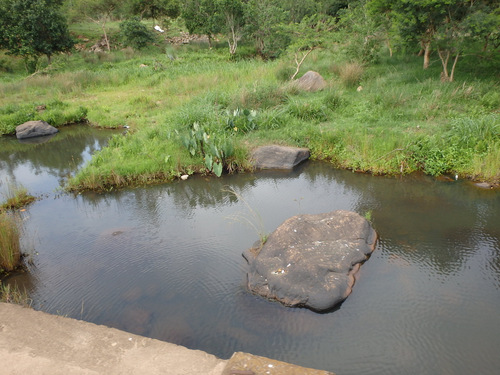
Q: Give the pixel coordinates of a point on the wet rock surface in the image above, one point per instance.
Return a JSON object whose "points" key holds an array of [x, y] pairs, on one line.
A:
{"points": [[32, 129], [278, 157], [310, 260]]}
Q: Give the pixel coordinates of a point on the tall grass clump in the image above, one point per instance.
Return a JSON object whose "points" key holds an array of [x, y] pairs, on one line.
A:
{"points": [[10, 250], [12, 294], [350, 73], [261, 96]]}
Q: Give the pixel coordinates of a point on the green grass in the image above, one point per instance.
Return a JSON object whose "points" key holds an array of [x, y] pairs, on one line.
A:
{"points": [[10, 253], [17, 197], [12, 294], [402, 120]]}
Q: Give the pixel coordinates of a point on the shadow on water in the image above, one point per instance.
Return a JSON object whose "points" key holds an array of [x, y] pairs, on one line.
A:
{"points": [[165, 262]]}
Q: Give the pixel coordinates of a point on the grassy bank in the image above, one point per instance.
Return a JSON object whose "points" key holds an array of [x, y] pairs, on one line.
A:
{"points": [[389, 117]]}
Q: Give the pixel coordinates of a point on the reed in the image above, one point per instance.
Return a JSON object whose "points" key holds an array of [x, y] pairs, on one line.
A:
{"points": [[10, 250], [13, 294]]}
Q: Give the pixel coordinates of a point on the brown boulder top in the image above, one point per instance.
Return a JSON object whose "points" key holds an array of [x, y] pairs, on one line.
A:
{"points": [[310, 260]]}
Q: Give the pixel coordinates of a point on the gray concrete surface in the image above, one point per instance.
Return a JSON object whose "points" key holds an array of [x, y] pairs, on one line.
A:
{"points": [[34, 342]]}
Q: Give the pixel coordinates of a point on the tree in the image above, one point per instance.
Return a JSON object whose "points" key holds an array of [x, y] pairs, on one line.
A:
{"points": [[447, 26], [32, 28], [201, 17], [298, 9], [210, 17], [484, 23], [308, 35], [265, 22], [99, 12], [135, 33], [233, 14], [155, 9]]}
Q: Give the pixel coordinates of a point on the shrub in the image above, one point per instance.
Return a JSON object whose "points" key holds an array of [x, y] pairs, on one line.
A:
{"points": [[284, 72], [135, 34]]}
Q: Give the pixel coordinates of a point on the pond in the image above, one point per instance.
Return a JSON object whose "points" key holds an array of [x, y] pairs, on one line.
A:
{"points": [[165, 262]]}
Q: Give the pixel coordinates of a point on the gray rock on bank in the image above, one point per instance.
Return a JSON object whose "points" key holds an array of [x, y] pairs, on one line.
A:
{"points": [[32, 129], [311, 81], [311, 260], [278, 157]]}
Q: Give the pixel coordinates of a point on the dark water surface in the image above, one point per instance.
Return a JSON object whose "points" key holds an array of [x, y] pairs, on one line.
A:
{"points": [[165, 262]]}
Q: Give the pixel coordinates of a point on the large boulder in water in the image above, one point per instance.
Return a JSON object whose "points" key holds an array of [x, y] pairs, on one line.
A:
{"points": [[278, 157], [310, 260], [32, 129]]}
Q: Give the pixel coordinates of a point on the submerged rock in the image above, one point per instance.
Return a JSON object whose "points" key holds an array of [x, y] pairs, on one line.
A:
{"points": [[310, 260], [32, 129], [278, 157]]}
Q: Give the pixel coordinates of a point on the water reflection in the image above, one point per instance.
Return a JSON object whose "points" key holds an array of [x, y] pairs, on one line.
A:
{"points": [[46, 166], [165, 261]]}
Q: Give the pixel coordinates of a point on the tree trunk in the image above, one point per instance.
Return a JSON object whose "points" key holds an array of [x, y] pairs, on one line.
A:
{"points": [[388, 42], [232, 41], [453, 67], [103, 25], [427, 54], [486, 42], [444, 56]]}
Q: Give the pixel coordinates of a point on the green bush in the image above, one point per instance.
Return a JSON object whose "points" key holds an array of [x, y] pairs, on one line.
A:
{"points": [[135, 34]]}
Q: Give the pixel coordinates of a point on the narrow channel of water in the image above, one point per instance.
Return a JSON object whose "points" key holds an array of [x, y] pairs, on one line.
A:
{"points": [[165, 262]]}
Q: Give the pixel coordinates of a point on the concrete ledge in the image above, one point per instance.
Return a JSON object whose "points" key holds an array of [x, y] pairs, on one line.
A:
{"points": [[34, 342], [249, 364]]}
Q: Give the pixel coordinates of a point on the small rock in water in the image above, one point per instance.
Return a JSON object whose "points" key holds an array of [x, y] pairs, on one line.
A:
{"points": [[184, 177]]}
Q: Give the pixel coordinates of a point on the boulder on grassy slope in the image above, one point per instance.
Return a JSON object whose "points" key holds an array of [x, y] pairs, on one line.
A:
{"points": [[311, 81]]}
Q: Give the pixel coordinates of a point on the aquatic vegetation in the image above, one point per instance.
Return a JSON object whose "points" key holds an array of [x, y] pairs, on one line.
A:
{"points": [[17, 197], [12, 294], [251, 218], [10, 249]]}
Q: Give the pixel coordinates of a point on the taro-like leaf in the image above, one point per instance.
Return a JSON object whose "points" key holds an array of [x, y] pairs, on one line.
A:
{"points": [[218, 169], [208, 161], [215, 151]]}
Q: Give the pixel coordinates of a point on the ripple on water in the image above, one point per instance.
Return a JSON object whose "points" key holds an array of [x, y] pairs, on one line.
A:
{"points": [[164, 262]]}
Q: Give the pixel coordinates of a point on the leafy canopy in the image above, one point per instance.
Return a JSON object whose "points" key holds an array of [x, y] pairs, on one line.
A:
{"points": [[32, 28]]}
